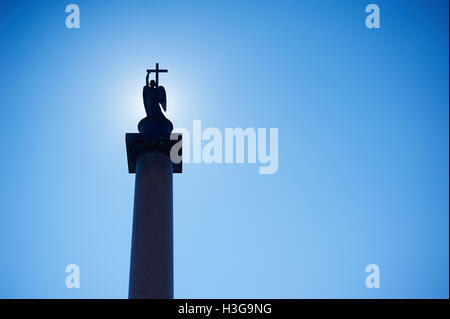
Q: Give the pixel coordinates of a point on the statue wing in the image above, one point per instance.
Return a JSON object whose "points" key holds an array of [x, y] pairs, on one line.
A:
{"points": [[162, 97]]}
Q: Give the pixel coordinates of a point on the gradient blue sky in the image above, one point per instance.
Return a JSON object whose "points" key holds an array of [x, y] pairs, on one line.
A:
{"points": [[363, 123]]}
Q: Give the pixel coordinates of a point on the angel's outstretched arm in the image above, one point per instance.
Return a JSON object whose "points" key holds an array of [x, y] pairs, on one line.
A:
{"points": [[146, 78]]}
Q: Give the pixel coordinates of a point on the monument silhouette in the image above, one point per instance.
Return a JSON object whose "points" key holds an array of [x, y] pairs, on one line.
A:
{"points": [[148, 153]]}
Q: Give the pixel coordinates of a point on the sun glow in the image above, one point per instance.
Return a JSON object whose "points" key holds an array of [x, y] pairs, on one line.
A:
{"points": [[129, 102]]}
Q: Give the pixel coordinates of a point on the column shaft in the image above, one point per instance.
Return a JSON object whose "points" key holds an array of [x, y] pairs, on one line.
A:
{"points": [[151, 268]]}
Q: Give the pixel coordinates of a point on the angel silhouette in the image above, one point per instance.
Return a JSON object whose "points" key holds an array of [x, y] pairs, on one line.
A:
{"points": [[154, 96]]}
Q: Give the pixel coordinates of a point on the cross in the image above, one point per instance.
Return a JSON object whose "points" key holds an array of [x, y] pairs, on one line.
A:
{"points": [[157, 71]]}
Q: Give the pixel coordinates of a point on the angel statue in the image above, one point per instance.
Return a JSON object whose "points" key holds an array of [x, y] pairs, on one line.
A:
{"points": [[154, 96]]}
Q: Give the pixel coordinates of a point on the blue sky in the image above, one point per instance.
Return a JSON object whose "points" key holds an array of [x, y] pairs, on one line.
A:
{"points": [[363, 126]]}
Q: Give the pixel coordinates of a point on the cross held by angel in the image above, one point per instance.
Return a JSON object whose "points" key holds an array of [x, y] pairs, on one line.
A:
{"points": [[154, 95]]}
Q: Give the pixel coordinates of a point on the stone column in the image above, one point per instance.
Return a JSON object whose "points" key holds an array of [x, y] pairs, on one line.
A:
{"points": [[151, 267]]}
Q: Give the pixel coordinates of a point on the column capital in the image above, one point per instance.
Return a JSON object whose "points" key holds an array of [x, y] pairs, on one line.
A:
{"points": [[141, 143]]}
